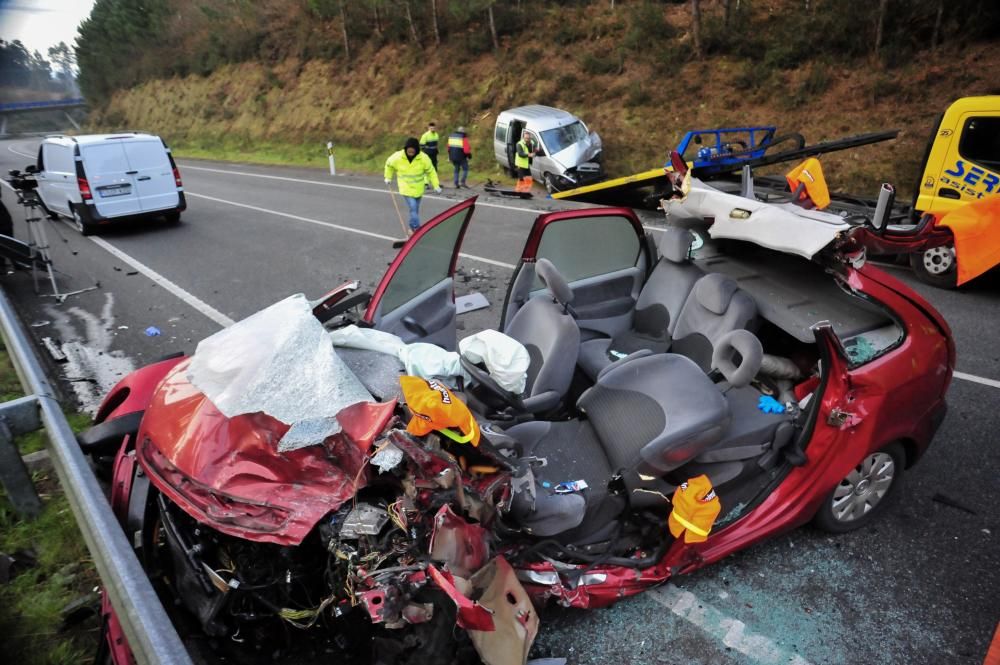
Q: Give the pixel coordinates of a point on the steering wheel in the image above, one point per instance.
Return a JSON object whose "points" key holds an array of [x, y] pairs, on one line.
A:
{"points": [[483, 378]]}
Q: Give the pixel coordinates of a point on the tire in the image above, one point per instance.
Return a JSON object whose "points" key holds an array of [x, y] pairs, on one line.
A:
{"points": [[173, 217], [84, 227], [550, 185], [937, 266], [54, 216], [861, 496]]}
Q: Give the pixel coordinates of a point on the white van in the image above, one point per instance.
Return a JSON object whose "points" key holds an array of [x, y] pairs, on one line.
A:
{"points": [[569, 154], [101, 178]]}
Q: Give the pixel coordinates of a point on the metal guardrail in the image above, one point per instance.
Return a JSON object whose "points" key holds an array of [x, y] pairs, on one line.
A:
{"points": [[51, 104], [150, 633]]}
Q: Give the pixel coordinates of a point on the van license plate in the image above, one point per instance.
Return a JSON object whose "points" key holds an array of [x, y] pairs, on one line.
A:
{"points": [[114, 190]]}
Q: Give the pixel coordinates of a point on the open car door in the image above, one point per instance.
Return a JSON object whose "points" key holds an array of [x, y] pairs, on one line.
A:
{"points": [[602, 253], [415, 298]]}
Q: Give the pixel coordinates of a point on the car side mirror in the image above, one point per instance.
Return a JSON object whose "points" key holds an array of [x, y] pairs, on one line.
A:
{"points": [[883, 209]]}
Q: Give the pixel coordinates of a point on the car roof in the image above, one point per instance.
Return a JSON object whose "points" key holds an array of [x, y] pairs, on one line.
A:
{"points": [[91, 139], [541, 117]]}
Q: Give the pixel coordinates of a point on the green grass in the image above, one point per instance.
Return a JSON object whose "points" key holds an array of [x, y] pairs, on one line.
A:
{"points": [[369, 160], [30, 604]]}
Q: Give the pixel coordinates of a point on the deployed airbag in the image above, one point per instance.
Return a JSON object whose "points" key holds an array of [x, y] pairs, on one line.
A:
{"points": [[281, 362], [505, 358]]}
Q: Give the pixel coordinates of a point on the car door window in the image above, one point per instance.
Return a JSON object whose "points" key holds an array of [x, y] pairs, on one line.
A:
{"points": [[426, 264], [980, 142], [501, 133], [588, 246]]}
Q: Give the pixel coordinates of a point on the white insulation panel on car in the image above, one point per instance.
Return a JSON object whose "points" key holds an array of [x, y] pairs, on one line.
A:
{"points": [[279, 361], [783, 227]]}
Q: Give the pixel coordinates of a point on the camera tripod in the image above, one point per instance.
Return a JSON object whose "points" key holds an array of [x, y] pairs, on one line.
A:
{"points": [[38, 244]]}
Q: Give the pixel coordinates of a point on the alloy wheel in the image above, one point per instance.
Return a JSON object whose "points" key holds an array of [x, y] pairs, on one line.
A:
{"points": [[939, 260], [864, 487]]}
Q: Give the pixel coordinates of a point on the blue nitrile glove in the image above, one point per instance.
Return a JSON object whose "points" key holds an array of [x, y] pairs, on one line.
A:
{"points": [[437, 190], [769, 405]]}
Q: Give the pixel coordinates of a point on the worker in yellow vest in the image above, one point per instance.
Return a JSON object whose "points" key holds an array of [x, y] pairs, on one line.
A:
{"points": [[429, 143], [524, 151], [412, 169]]}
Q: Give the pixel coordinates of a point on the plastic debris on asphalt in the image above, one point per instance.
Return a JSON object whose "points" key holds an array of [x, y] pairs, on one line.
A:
{"points": [[153, 331]]}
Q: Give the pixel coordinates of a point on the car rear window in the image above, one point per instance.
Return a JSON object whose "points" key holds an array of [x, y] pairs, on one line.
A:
{"points": [[144, 155], [104, 159]]}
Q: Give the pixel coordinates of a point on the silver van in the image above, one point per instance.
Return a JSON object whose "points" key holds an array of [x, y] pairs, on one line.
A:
{"points": [[569, 155]]}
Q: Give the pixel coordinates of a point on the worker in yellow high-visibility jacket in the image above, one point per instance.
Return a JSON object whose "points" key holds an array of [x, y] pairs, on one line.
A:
{"points": [[411, 168]]}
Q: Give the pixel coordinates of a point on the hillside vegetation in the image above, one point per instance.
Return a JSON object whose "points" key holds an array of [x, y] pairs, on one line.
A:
{"points": [[274, 80]]}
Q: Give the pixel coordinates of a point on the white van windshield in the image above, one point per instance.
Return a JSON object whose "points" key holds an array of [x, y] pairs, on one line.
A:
{"points": [[560, 138]]}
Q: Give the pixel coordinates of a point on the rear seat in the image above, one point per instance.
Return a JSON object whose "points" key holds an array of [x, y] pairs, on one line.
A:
{"points": [[657, 309]]}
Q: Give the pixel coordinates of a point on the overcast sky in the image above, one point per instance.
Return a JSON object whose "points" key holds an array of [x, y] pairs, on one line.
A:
{"points": [[40, 24]]}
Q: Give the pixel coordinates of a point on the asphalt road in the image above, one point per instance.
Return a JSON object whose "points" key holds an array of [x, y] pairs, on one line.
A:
{"points": [[920, 586]]}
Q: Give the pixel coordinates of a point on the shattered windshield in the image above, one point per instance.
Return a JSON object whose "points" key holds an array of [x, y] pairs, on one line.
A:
{"points": [[560, 138]]}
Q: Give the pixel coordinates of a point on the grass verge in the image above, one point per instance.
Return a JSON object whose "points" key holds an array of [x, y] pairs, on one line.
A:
{"points": [[57, 569]]}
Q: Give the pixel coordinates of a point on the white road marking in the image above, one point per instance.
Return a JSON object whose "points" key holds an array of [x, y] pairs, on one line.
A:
{"points": [[339, 227], [977, 379], [18, 152], [731, 632], [186, 296], [374, 190], [361, 188]]}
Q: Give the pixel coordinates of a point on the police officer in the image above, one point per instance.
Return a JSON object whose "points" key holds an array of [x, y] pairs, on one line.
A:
{"points": [[459, 153]]}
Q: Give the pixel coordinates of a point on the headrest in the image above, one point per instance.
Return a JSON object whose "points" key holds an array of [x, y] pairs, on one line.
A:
{"points": [[751, 353], [675, 244], [554, 282], [714, 291]]}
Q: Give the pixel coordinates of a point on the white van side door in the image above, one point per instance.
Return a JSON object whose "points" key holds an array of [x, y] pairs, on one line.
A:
{"points": [[153, 173], [57, 182], [106, 169]]}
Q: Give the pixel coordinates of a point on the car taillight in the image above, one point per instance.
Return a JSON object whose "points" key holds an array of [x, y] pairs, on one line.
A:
{"points": [[177, 178], [84, 189]]}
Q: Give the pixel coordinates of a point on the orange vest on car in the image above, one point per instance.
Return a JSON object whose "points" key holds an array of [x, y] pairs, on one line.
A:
{"points": [[810, 174], [435, 408], [695, 508]]}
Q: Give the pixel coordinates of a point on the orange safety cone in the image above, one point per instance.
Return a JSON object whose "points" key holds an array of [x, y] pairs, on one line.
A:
{"points": [[523, 185]]}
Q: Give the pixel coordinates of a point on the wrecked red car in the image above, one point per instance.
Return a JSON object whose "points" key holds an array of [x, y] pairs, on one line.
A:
{"points": [[743, 348]]}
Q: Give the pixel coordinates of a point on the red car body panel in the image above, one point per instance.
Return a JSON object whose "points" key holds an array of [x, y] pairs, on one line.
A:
{"points": [[228, 473], [133, 392]]}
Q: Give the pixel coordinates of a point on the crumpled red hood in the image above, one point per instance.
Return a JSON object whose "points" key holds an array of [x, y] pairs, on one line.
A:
{"points": [[228, 473]]}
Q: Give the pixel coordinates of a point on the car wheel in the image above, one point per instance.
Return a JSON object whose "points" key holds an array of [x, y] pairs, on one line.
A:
{"points": [[864, 492], [173, 217], [550, 185], [936, 266], [51, 215], [81, 224]]}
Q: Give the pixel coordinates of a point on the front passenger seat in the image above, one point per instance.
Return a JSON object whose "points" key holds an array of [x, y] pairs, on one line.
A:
{"points": [[547, 329]]}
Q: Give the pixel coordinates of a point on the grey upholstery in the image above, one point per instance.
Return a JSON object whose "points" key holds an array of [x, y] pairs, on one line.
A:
{"points": [[649, 415], [716, 306], [750, 432], [656, 310], [554, 282], [744, 345], [552, 340], [572, 452], [655, 413]]}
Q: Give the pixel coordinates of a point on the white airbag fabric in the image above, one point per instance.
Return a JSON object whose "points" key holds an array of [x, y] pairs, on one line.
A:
{"points": [[279, 361], [506, 359]]}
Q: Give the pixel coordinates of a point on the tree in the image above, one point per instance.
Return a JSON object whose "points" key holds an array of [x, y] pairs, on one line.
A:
{"points": [[434, 18], [883, 7]]}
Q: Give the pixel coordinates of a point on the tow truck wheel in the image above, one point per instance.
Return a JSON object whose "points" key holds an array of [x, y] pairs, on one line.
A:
{"points": [[936, 266], [864, 492]]}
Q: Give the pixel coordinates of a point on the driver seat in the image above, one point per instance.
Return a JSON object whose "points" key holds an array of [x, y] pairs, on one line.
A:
{"points": [[547, 329]]}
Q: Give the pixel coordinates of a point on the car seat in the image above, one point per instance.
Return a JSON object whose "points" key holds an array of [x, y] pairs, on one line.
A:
{"points": [[656, 310], [716, 306], [547, 329]]}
